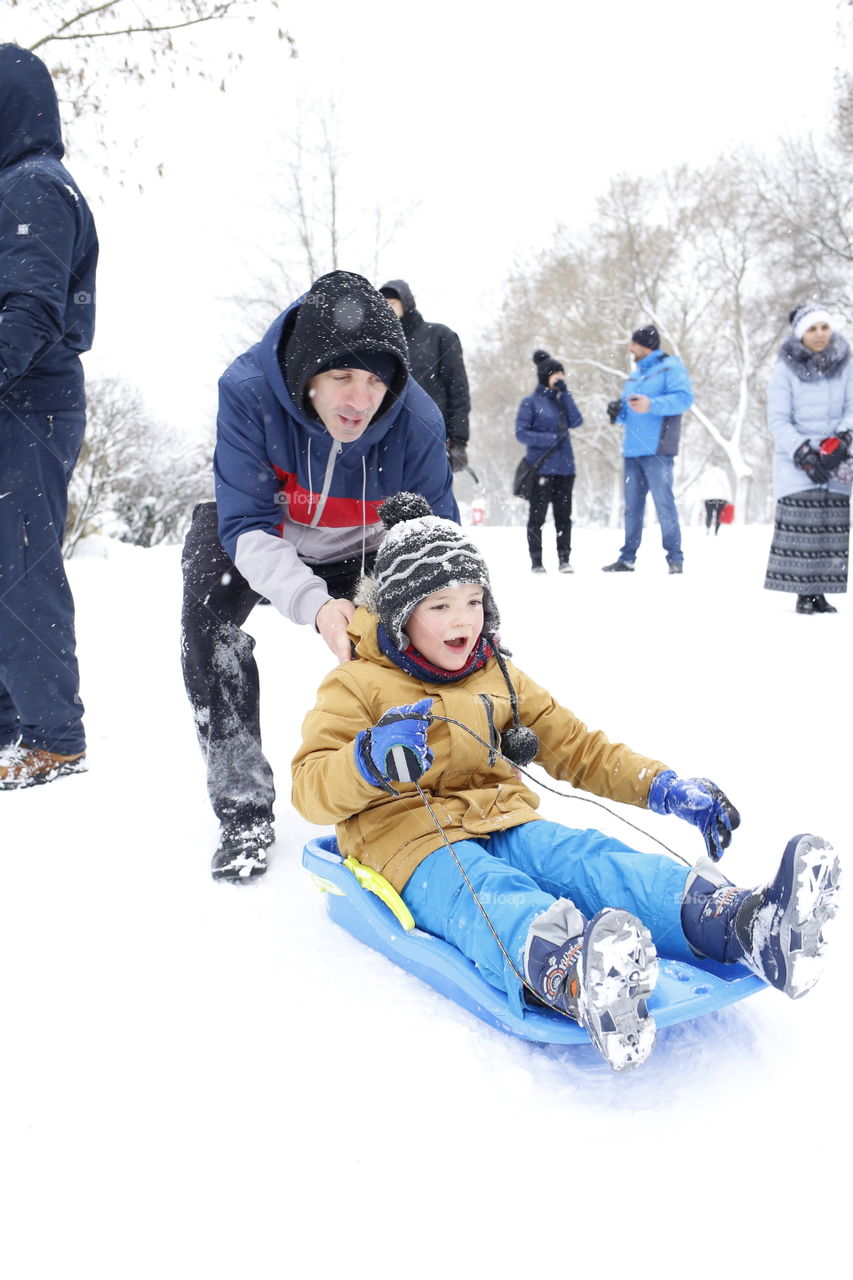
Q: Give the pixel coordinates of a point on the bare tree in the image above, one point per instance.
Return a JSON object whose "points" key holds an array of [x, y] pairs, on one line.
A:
{"points": [[134, 479], [323, 227], [143, 37]]}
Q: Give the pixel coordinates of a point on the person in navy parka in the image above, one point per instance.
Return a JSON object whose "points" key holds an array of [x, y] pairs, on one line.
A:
{"points": [[318, 423], [542, 425], [48, 256], [654, 398]]}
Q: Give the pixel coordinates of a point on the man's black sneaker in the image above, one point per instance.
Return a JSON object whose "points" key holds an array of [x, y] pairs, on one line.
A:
{"points": [[619, 566], [675, 566]]}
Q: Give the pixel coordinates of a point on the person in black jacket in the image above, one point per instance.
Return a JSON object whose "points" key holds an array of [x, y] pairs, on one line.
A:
{"points": [[48, 256], [435, 355]]}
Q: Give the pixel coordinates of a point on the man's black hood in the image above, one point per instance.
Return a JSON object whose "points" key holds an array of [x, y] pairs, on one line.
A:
{"points": [[400, 289], [29, 111], [340, 314]]}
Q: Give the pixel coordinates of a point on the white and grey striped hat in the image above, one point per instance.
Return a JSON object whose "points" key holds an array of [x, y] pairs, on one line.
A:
{"points": [[420, 554]]}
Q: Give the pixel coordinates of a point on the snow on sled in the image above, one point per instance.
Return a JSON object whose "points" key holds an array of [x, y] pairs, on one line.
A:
{"points": [[362, 901]]}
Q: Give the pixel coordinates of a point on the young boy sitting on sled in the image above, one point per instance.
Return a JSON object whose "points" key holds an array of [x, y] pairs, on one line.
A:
{"points": [[430, 701]]}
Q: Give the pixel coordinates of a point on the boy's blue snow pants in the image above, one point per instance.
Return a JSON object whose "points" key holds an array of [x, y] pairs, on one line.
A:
{"points": [[39, 698], [519, 873]]}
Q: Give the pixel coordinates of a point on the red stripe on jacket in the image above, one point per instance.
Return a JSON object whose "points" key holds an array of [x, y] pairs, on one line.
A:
{"points": [[338, 513]]}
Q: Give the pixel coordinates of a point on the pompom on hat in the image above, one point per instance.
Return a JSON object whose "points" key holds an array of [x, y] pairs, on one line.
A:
{"points": [[802, 318], [545, 365], [419, 555]]}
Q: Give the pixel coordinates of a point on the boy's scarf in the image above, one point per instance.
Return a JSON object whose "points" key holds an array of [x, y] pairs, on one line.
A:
{"points": [[415, 664]]}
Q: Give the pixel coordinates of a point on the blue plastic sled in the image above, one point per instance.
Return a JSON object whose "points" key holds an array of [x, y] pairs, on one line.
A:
{"points": [[683, 990]]}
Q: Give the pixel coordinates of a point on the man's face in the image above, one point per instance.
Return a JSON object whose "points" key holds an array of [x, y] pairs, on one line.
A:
{"points": [[345, 400], [637, 351], [446, 626], [396, 306], [817, 337]]}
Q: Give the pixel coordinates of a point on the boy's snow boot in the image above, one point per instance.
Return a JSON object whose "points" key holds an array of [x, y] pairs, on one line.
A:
{"points": [[242, 852], [602, 978], [27, 767], [537, 566], [565, 566], [775, 930]]}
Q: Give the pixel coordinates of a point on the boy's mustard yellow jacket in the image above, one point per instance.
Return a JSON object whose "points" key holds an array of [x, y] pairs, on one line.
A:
{"points": [[469, 796]]}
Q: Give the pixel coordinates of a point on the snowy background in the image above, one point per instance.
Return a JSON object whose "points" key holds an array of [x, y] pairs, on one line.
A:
{"points": [[203, 1080]]}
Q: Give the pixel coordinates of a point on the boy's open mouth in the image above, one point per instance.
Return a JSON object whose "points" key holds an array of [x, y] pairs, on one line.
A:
{"points": [[458, 643]]}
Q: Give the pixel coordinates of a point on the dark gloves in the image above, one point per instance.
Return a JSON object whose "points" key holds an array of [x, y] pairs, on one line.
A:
{"points": [[457, 453], [700, 802], [614, 408], [560, 385], [396, 747], [810, 461], [834, 450]]}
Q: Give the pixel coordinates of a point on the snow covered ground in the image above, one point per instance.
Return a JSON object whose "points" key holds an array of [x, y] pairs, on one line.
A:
{"points": [[201, 1080]]}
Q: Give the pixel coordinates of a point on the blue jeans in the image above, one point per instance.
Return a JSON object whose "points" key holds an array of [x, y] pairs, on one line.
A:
{"points": [[643, 476], [39, 684], [519, 873]]}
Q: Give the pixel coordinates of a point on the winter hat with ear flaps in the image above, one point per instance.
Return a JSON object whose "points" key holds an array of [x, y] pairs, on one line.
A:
{"points": [[419, 555]]}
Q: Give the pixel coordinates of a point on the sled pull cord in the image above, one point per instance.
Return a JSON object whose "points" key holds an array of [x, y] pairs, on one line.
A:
{"points": [[537, 782], [473, 892]]}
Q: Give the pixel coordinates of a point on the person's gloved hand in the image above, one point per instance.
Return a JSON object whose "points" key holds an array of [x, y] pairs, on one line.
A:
{"points": [[560, 384], [834, 450], [614, 408], [396, 747], [700, 802], [810, 461], [457, 453]]}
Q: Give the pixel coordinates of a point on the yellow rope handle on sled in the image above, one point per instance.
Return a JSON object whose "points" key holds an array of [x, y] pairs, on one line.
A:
{"points": [[375, 882]]}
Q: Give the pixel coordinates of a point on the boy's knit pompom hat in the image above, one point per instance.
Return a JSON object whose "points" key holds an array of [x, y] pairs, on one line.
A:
{"points": [[420, 554]]}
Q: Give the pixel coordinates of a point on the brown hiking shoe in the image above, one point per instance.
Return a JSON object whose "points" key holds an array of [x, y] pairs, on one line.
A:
{"points": [[27, 767]]}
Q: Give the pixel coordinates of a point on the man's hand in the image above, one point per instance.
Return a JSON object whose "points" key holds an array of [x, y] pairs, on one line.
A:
{"points": [[640, 404], [332, 621]]}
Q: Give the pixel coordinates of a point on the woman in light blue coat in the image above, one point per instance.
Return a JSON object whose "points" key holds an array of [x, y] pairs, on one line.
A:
{"points": [[810, 415]]}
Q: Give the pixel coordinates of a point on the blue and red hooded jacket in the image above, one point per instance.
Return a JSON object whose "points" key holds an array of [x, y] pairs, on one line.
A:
{"points": [[288, 495]]}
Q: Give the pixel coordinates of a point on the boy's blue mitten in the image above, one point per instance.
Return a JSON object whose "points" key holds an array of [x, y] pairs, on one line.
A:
{"points": [[396, 747], [699, 801]]}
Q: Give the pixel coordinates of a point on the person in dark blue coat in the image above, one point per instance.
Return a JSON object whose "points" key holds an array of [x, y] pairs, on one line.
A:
{"points": [[542, 424], [48, 257], [318, 424]]}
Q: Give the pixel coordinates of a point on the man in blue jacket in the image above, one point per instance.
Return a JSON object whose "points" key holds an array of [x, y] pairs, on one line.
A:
{"points": [[318, 423], [655, 396], [48, 256]]}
